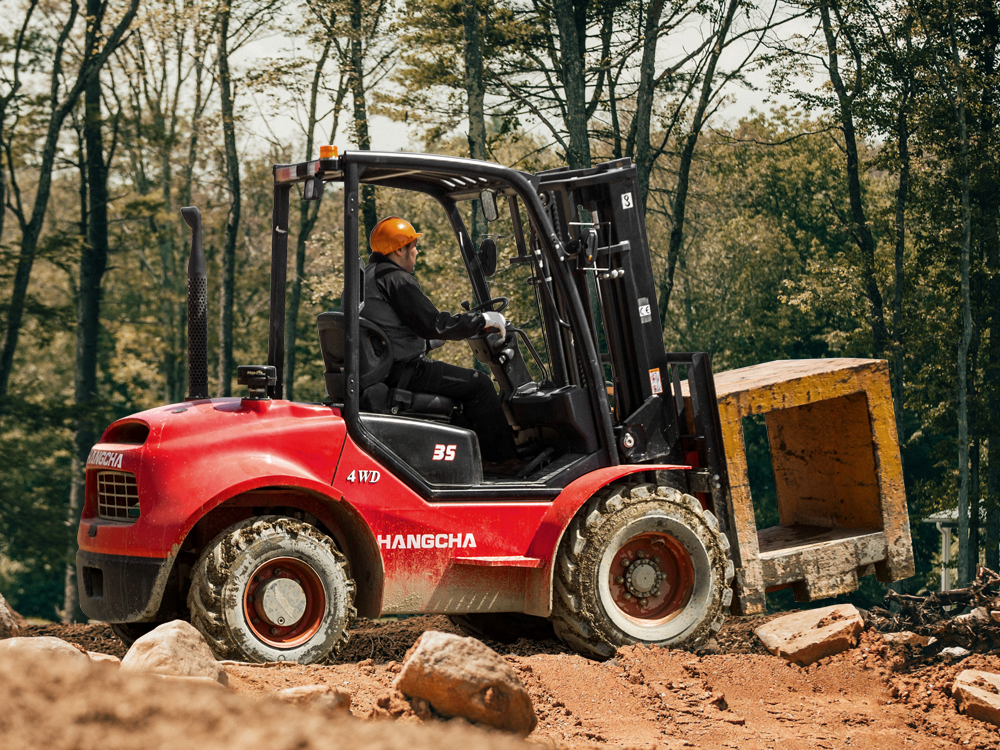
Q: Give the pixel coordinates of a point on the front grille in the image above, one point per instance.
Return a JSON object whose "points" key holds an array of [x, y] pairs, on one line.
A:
{"points": [[117, 496]]}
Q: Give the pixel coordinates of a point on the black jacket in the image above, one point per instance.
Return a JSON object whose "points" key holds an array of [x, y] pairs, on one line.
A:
{"points": [[395, 302]]}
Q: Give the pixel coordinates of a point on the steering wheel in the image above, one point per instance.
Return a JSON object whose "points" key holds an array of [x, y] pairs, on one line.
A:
{"points": [[488, 304]]}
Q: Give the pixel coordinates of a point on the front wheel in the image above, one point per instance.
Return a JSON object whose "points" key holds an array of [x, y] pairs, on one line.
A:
{"points": [[641, 564], [272, 589]]}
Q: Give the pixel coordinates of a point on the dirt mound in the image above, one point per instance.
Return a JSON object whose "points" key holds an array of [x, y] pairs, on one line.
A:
{"points": [[64, 706], [742, 698]]}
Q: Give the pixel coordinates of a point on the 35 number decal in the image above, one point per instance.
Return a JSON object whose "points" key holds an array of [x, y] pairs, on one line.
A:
{"points": [[444, 452]]}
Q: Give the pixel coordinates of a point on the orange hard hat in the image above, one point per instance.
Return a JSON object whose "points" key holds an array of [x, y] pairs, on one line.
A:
{"points": [[392, 233]]}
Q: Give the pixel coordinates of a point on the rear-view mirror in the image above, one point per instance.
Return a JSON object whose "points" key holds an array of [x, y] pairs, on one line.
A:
{"points": [[488, 203]]}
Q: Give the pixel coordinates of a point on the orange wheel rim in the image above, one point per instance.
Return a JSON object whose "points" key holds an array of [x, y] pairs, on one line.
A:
{"points": [[292, 575], [651, 578]]}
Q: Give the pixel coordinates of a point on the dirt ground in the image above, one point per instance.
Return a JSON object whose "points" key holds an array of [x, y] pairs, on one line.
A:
{"points": [[738, 697]]}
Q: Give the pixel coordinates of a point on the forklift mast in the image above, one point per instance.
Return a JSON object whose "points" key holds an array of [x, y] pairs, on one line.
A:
{"points": [[665, 406]]}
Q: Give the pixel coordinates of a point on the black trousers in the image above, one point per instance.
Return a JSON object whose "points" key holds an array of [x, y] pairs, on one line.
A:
{"points": [[481, 408]]}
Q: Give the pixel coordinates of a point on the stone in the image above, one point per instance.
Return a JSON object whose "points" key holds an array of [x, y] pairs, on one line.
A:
{"points": [[317, 696], [43, 645], [10, 621], [978, 695], [464, 677], [908, 638], [954, 653], [805, 637], [104, 658], [174, 649], [995, 615]]}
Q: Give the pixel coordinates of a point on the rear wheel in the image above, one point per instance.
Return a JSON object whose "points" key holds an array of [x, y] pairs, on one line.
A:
{"points": [[641, 564], [272, 589]]}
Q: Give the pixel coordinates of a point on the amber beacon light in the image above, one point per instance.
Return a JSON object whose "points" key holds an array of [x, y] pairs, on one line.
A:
{"points": [[327, 152]]}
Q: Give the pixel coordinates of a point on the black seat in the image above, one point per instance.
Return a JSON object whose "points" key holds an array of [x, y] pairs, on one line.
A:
{"points": [[375, 362]]}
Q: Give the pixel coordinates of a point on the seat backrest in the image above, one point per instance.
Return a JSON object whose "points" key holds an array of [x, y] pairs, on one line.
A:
{"points": [[375, 348]]}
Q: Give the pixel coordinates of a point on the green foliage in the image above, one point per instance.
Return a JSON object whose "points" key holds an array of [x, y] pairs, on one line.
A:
{"points": [[34, 533], [768, 274]]}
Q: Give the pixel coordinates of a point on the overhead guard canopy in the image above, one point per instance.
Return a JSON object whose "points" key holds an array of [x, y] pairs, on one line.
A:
{"points": [[458, 179]]}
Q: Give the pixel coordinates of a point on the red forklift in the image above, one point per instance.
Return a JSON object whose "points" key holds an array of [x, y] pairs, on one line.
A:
{"points": [[272, 524]]}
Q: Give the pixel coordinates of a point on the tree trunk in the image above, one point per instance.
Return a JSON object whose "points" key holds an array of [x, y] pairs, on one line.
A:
{"points": [[687, 157], [233, 223], [974, 439], [77, 474], [93, 264], [987, 201], [992, 381], [572, 50], [859, 221], [369, 213], [645, 96], [902, 194], [966, 564], [475, 91], [475, 94]]}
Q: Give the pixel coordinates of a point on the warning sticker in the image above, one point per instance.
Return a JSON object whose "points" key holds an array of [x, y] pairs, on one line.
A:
{"points": [[655, 382]]}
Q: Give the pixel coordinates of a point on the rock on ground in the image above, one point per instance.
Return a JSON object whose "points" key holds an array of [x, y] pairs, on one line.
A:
{"points": [[908, 638], [107, 658], [317, 696], [805, 637], [174, 649], [978, 695], [44, 646], [954, 653], [10, 625], [464, 677]]}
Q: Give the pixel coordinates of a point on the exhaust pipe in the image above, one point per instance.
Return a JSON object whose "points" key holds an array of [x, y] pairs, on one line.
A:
{"points": [[197, 299]]}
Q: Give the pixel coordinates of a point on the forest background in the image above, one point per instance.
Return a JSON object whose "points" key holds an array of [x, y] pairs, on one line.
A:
{"points": [[859, 218]]}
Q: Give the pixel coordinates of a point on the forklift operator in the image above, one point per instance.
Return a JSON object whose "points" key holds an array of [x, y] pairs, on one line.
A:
{"points": [[395, 302]]}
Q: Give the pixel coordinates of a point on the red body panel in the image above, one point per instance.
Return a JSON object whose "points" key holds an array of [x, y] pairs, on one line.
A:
{"points": [[200, 454], [438, 556]]}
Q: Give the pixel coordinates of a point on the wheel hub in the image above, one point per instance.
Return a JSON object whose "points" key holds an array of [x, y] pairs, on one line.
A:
{"points": [[642, 578], [281, 601], [284, 602], [651, 577]]}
